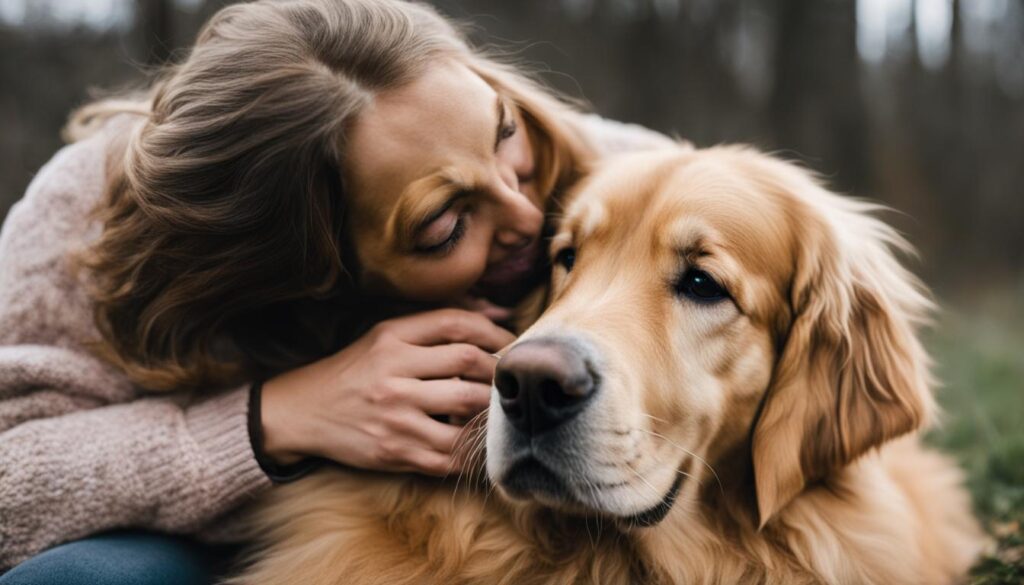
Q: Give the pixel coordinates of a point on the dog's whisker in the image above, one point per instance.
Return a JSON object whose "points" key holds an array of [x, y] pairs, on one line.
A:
{"points": [[681, 497], [647, 483], [627, 431], [475, 451], [469, 448], [690, 453], [654, 418], [586, 520]]}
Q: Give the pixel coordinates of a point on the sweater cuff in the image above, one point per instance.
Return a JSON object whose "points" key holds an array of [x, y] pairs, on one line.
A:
{"points": [[219, 426]]}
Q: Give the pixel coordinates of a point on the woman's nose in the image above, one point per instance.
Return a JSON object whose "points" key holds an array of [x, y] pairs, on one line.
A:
{"points": [[519, 220]]}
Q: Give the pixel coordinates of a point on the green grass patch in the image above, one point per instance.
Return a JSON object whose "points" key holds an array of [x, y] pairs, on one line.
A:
{"points": [[979, 355]]}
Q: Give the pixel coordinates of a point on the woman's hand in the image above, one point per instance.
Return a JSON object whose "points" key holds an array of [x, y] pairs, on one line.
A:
{"points": [[495, 313], [369, 405]]}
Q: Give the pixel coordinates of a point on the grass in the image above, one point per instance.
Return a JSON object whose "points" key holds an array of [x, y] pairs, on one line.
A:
{"points": [[979, 352]]}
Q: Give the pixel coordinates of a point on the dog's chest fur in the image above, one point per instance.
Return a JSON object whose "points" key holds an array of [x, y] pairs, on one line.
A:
{"points": [[354, 528]]}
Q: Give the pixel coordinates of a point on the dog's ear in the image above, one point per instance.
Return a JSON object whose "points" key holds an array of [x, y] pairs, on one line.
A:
{"points": [[851, 374]]}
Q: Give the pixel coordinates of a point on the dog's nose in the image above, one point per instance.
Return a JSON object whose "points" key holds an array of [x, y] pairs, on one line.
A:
{"points": [[542, 384]]}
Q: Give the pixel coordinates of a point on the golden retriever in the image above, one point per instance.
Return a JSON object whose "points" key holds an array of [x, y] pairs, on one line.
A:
{"points": [[726, 387]]}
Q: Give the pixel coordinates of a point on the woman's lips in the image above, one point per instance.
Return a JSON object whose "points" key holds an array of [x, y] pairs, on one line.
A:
{"points": [[513, 269]]}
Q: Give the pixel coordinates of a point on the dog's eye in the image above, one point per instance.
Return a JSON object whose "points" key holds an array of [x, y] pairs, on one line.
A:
{"points": [[699, 286], [566, 258]]}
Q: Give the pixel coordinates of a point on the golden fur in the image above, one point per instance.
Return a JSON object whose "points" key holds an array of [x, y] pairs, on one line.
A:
{"points": [[790, 410]]}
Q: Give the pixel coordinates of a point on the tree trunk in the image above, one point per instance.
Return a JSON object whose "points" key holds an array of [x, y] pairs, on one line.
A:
{"points": [[155, 24]]}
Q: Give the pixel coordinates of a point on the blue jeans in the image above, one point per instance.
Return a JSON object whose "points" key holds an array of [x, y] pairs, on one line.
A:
{"points": [[123, 558]]}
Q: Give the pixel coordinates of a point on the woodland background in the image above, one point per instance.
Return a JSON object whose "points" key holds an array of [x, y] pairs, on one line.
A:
{"points": [[916, 103]]}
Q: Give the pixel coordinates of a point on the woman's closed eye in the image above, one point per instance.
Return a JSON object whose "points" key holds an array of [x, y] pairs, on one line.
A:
{"points": [[507, 127], [507, 131], [442, 234]]}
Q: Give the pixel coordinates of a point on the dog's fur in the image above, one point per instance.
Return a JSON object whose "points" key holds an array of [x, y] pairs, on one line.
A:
{"points": [[789, 411]]}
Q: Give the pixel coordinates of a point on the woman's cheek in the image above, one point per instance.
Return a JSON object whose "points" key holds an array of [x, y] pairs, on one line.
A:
{"points": [[447, 278], [521, 156]]}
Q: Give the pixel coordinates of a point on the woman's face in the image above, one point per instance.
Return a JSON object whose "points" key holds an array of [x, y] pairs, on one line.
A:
{"points": [[440, 180]]}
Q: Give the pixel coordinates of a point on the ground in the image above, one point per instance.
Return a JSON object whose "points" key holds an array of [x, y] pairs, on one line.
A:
{"points": [[978, 348]]}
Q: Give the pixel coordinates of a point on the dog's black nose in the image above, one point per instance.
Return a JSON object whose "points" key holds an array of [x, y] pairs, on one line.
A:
{"points": [[543, 383]]}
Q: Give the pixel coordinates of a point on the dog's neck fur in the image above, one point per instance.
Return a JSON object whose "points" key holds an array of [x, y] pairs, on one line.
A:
{"points": [[862, 520]]}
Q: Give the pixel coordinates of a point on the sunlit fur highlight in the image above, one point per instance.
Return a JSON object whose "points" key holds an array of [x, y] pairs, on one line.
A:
{"points": [[816, 476]]}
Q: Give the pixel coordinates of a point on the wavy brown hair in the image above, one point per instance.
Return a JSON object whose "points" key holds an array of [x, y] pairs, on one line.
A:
{"points": [[223, 254]]}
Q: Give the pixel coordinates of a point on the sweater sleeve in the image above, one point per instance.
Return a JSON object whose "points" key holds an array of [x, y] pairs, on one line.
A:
{"points": [[147, 463], [609, 137], [81, 449]]}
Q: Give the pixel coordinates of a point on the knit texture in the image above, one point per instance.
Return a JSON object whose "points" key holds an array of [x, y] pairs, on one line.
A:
{"points": [[83, 450]]}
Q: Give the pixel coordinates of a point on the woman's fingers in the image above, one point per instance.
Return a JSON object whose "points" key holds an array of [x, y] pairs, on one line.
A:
{"points": [[430, 462], [433, 434], [495, 313], [447, 326], [452, 397], [455, 360], [422, 445]]}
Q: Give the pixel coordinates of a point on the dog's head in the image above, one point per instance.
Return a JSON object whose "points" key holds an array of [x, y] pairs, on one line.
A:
{"points": [[707, 303]]}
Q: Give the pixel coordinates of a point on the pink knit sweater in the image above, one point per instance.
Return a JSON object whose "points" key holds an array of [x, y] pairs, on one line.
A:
{"points": [[82, 450]]}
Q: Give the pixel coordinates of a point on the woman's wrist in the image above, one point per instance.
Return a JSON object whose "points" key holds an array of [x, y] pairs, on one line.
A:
{"points": [[280, 439], [275, 439], [279, 459]]}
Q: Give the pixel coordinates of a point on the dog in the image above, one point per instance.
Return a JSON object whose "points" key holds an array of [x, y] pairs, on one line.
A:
{"points": [[726, 386]]}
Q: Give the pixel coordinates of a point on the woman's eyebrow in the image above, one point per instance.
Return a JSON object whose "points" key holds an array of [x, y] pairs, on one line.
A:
{"points": [[424, 201], [425, 205], [500, 103], [437, 212]]}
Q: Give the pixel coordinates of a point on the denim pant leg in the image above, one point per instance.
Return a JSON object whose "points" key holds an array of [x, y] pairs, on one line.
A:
{"points": [[120, 558]]}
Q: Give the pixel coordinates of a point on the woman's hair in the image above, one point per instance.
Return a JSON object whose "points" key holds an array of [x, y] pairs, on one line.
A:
{"points": [[224, 254]]}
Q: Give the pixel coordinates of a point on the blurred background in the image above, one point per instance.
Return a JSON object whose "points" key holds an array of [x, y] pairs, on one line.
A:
{"points": [[915, 103]]}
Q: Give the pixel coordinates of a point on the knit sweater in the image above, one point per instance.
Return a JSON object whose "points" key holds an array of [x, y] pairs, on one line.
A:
{"points": [[82, 449]]}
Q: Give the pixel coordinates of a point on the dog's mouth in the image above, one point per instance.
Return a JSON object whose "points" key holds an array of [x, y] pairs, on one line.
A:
{"points": [[657, 513], [530, 479]]}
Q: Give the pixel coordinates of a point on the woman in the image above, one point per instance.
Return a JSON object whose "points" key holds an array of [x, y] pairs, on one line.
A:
{"points": [[313, 170]]}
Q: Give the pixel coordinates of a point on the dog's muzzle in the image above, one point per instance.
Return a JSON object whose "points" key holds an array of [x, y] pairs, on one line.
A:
{"points": [[549, 442], [545, 386]]}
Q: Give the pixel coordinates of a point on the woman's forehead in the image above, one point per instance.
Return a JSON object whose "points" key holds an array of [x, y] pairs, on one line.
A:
{"points": [[446, 118]]}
